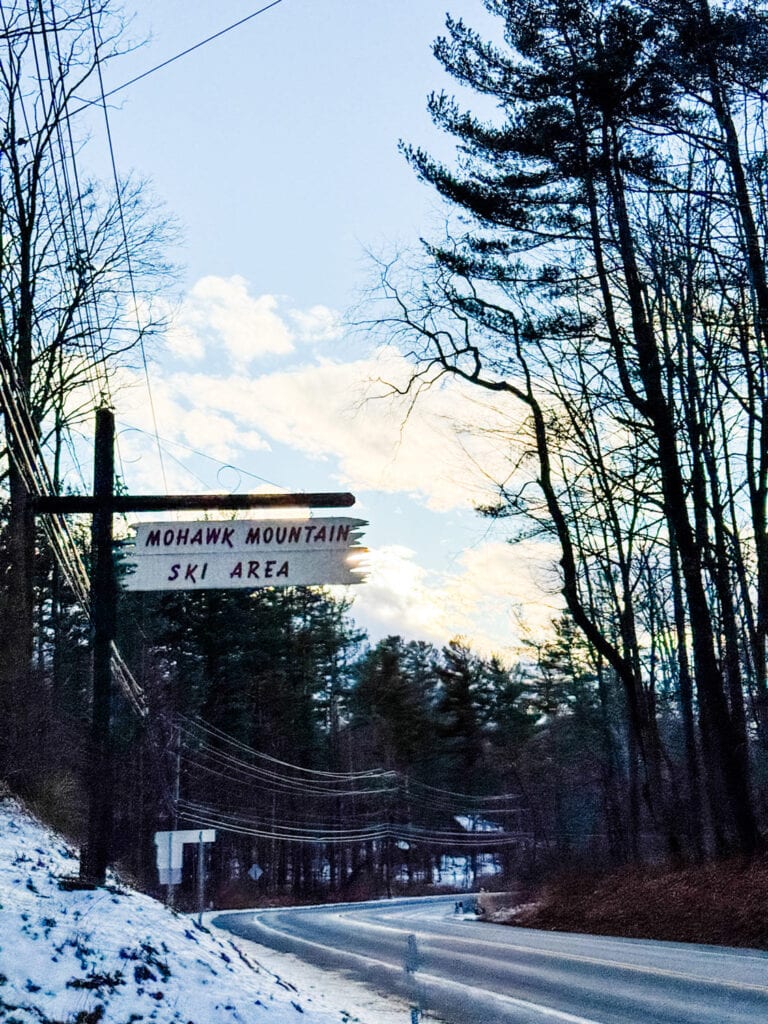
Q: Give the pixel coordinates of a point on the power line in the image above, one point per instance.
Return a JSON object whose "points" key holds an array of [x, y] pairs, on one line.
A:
{"points": [[192, 724], [211, 817], [27, 450], [66, 157], [31, 464], [324, 781], [127, 248], [371, 805], [178, 56], [204, 455]]}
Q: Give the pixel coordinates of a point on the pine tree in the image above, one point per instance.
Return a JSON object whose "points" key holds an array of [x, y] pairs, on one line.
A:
{"points": [[578, 280], [392, 701], [463, 709]]}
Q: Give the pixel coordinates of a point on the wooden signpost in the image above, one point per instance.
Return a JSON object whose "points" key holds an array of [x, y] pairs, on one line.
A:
{"points": [[268, 572]]}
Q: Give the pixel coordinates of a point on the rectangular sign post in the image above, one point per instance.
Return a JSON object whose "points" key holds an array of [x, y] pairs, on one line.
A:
{"points": [[170, 859], [101, 506]]}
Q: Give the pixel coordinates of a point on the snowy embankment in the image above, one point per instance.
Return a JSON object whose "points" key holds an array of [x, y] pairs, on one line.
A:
{"points": [[114, 955]]}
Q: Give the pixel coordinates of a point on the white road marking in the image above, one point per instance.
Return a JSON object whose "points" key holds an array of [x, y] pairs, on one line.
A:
{"points": [[662, 972], [521, 1004]]}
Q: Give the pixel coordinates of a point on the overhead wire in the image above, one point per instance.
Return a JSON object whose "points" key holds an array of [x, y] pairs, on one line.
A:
{"points": [[101, 100], [178, 56], [75, 209], [31, 464], [235, 772], [128, 259], [431, 796], [90, 328], [192, 724], [205, 455], [26, 448], [76, 574], [217, 763], [379, 805], [26, 438], [91, 331], [55, 526], [201, 817], [289, 825], [211, 817]]}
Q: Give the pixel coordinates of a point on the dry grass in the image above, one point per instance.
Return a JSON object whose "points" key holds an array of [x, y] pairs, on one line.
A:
{"points": [[722, 904]]}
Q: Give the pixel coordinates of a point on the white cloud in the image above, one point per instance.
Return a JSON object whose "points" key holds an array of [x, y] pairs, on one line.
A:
{"points": [[184, 428], [447, 450], [317, 324], [183, 341], [220, 317], [498, 595], [381, 442], [218, 435]]}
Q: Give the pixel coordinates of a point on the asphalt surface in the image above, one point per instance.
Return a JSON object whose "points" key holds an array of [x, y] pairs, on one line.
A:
{"points": [[469, 972]]}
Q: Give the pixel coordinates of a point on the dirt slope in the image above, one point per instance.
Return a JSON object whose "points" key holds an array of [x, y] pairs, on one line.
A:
{"points": [[723, 904]]}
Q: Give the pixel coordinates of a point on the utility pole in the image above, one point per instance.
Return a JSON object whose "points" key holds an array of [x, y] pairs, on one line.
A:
{"points": [[102, 506], [93, 863]]}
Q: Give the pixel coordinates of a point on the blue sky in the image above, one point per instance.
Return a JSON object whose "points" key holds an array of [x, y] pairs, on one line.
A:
{"points": [[275, 147]]}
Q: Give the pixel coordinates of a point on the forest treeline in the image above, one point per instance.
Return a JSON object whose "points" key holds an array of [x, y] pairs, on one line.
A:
{"points": [[335, 764]]}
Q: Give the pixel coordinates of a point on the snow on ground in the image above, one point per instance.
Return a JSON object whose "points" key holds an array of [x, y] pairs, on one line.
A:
{"points": [[116, 956], [328, 989]]}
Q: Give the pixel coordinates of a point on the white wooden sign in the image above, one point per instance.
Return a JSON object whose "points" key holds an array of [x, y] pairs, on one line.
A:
{"points": [[170, 851], [246, 554]]}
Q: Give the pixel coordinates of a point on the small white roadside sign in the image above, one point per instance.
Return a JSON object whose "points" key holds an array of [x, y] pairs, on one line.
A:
{"points": [[170, 851]]}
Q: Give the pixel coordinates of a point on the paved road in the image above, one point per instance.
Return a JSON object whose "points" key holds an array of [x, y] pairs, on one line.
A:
{"points": [[469, 972]]}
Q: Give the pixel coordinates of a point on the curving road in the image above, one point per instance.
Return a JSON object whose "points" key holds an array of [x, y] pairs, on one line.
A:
{"points": [[468, 972]]}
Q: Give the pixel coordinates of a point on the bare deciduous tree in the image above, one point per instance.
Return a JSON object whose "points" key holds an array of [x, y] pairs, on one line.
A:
{"points": [[76, 261]]}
